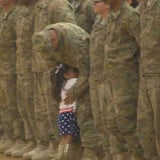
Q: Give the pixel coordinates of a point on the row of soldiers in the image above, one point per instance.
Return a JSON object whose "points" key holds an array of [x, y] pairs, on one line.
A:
{"points": [[123, 116]]}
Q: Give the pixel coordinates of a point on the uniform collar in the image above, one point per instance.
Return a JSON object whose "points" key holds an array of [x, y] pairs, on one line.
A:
{"points": [[77, 4], [150, 4], [115, 15], [6, 14]]}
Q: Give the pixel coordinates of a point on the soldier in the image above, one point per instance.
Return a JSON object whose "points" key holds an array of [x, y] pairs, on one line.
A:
{"points": [[121, 73], [149, 105], [11, 121], [85, 16], [42, 13], [68, 44], [24, 31], [97, 42]]}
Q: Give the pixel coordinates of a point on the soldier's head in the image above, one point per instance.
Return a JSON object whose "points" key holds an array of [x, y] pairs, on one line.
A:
{"points": [[54, 38], [5, 3], [100, 6]]}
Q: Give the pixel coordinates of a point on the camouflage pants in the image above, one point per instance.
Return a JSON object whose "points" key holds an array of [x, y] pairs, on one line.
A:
{"points": [[149, 116], [89, 137], [11, 120], [46, 109], [25, 103], [121, 96], [99, 111]]}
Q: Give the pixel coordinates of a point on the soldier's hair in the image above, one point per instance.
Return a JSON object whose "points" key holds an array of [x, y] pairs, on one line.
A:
{"points": [[134, 3]]}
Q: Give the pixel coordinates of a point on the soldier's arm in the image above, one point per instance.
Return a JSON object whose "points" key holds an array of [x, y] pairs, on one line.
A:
{"points": [[133, 26], [82, 60], [90, 13], [61, 11]]}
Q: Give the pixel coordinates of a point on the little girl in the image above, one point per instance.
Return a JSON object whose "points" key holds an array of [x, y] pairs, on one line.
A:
{"points": [[67, 123]]}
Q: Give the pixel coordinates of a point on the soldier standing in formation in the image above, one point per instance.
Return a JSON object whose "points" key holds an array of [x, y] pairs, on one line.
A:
{"points": [[11, 120], [96, 82], [85, 16], [121, 78], [149, 91]]}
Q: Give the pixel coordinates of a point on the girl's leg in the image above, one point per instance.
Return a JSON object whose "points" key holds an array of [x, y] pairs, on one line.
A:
{"points": [[68, 138], [62, 141]]}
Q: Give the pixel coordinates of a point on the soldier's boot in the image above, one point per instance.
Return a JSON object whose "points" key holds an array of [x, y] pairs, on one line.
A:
{"points": [[89, 154], [47, 154], [156, 158], [2, 140], [137, 158], [37, 150], [107, 156], [76, 151], [9, 151], [7, 144], [100, 153], [18, 152], [123, 156], [59, 154]]}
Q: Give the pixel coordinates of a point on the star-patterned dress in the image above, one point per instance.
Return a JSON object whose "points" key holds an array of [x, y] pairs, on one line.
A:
{"points": [[67, 122]]}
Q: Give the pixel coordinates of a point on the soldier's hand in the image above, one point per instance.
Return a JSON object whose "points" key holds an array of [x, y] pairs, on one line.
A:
{"points": [[69, 99]]}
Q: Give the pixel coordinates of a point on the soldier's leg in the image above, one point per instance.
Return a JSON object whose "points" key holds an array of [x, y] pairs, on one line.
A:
{"points": [[148, 117], [13, 118], [153, 85], [99, 113], [125, 104], [42, 123], [26, 110], [7, 127], [89, 137], [117, 143], [51, 116]]}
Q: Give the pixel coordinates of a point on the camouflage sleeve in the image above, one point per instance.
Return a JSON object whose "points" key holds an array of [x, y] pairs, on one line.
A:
{"points": [[61, 11], [90, 12], [82, 63], [134, 26]]}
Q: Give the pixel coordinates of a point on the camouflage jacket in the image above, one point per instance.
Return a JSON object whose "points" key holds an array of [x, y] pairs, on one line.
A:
{"points": [[24, 31], [49, 12], [84, 14], [97, 42], [73, 50], [123, 29], [8, 40], [150, 37]]}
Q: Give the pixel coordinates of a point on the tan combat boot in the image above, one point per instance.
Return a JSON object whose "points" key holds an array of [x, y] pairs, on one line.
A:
{"points": [[137, 158], [60, 153], [107, 156], [18, 152], [89, 154], [123, 156]]}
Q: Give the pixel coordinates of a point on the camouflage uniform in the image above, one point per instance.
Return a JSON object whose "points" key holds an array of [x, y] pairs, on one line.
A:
{"points": [[12, 123], [73, 48], [84, 14], [148, 108], [24, 31], [97, 42], [46, 12], [121, 77]]}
